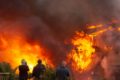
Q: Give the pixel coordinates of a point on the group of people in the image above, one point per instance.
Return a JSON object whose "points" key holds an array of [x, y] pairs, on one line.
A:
{"points": [[62, 73]]}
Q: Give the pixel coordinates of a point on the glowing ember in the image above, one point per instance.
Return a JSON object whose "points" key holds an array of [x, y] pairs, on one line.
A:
{"points": [[14, 48], [99, 32], [81, 54], [95, 26], [118, 29], [102, 28]]}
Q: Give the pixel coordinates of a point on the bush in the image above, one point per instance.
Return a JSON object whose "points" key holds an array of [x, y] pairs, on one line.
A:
{"points": [[6, 68], [49, 74]]}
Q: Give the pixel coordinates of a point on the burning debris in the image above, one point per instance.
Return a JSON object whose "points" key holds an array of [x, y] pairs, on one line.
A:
{"points": [[82, 52], [82, 58], [46, 25]]}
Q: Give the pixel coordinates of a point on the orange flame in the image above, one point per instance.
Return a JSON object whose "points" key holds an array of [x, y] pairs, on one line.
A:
{"points": [[14, 48], [81, 54], [95, 26], [118, 29]]}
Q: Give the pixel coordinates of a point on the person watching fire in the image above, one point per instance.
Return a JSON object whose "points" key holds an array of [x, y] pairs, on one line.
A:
{"points": [[38, 71], [23, 70], [62, 73]]}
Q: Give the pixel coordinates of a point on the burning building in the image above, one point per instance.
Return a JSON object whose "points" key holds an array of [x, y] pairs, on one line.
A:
{"points": [[82, 32]]}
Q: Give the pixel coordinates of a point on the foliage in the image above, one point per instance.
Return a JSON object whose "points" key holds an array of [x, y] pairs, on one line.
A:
{"points": [[49, 74], [6, 68]]}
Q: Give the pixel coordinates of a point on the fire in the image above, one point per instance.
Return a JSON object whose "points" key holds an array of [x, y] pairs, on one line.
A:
{"points": [[15, 48], [118, 29], [95, 26], [102, 28], [81, 54], [99, 32]]}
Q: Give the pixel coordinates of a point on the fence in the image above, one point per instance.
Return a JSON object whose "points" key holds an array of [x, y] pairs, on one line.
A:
{"points": [[4, 76]]}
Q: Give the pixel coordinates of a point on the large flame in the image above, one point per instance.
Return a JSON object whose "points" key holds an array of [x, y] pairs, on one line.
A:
{"points": [[81, 54], [15, 48]]}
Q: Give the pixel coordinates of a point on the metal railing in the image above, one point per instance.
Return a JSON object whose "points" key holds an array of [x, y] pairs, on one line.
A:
{"points": [[4, 76]]}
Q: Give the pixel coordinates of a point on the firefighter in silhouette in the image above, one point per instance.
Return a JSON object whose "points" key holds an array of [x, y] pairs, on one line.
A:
{"points": [[38, 71], [23, 70], [62, 73]]}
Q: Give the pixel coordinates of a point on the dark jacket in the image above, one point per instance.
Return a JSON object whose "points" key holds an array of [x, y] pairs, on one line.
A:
{"points": [[23, 72], [62, 73], [38, 71]]}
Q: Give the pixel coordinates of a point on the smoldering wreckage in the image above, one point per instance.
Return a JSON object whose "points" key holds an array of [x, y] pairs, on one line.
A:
{"points": [[86, 34]]}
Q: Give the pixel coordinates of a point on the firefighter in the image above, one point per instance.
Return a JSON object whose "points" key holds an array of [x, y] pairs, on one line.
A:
{"points": [[62, 73], [23, 70], [38, 71]]}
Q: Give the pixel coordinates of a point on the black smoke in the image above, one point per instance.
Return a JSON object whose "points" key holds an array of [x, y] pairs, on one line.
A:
{"points": [[51, 22]]}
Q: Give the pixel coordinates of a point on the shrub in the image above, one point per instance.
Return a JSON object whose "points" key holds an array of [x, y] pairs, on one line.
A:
{"points": [[6, 68]]}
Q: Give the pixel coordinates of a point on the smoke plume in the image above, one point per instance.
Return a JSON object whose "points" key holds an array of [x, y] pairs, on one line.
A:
{"points": [[52, 22]]}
